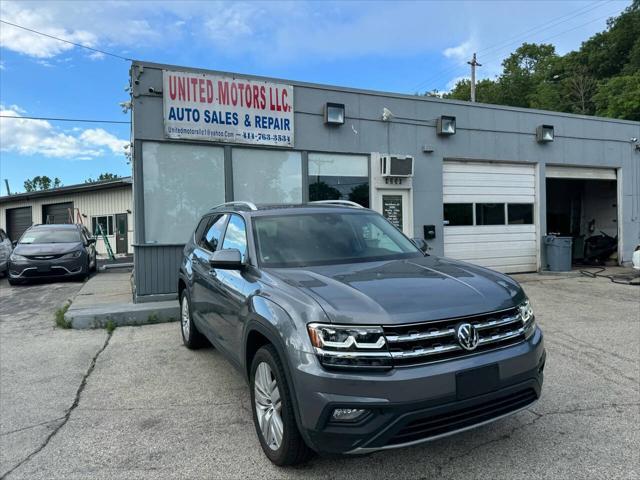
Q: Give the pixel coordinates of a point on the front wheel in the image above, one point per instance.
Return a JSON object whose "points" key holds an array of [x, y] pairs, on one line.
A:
{"points": [[273, 411]]}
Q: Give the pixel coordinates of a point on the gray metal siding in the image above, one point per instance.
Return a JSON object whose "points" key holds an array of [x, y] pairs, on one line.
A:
{"points": [[156, 269], [484, 133]]}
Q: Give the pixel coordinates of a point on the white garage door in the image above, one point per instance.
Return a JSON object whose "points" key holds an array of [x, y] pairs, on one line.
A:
{"points": [[489, 212]]}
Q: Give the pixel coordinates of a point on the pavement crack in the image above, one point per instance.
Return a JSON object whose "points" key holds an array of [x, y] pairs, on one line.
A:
{"points": [[30, 426], [68, 412]]}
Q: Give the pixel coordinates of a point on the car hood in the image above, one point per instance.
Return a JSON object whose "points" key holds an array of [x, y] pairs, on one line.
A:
{"points": [[403, 291], [46, 248]]}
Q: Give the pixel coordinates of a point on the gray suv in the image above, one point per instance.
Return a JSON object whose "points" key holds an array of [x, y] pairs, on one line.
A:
{"points": [[352, 338]]}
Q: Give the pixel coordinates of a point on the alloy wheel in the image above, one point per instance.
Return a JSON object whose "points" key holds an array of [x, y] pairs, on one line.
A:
{"points": [[268, 406], [185, 318]]}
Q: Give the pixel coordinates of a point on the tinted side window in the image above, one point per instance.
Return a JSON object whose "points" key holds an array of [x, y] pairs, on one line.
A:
{"points": [[236, 235], [204, 222], [213, 233]]}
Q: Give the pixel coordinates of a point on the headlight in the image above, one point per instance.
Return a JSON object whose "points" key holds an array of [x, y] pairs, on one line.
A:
{"points": [[75, 254], [350, 346], [17, 258], [528, 318]]}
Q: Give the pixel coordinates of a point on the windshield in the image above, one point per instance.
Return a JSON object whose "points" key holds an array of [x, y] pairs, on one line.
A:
{"points": [[50, 235], [328, 238]]}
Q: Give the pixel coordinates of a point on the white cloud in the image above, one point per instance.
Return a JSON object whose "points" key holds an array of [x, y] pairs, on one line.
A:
{"points": [[102, 138], [39, 137], [460, 52], [38, 46]]}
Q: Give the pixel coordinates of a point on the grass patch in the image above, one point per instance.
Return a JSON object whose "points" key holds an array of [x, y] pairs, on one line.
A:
{"points": [[62, 322], [110, 326], [153, 318]]}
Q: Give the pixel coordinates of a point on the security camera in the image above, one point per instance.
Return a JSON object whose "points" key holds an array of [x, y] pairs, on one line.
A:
{"points": [[634, 139], [386, 114], [154, 91]]}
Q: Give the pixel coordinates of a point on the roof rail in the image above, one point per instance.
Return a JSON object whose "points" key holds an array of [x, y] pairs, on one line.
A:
{"points": [[346, 203], [249, 205]]}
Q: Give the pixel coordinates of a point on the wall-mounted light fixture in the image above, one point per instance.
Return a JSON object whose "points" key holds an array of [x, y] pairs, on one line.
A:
{"points": [[446, 125], [544, 133], [334, 113]]}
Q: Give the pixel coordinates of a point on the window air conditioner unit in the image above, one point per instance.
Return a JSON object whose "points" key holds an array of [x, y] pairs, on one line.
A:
{"points": [[396, 166]]}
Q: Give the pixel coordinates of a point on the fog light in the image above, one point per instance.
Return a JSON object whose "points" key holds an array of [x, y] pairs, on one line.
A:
{"points": [[348, 414]]}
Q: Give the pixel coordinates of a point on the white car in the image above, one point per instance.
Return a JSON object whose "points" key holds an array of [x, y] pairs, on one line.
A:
{"points": [[6, 247]]}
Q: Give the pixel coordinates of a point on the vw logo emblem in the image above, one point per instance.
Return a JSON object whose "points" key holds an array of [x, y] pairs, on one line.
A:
{"points": [[467, 335]]}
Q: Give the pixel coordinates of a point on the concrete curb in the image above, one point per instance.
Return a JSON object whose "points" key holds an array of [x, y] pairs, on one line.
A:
{"points": [[122, 314]]}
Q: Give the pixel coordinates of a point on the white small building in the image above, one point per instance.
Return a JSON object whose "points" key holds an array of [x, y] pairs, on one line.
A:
{"points": [[107, 204]]}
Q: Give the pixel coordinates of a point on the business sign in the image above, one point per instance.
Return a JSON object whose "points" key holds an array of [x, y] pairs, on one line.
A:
{"points": [[226, 109]]}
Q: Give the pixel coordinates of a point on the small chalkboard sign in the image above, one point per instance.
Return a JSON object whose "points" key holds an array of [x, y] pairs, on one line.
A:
{"points": [[392, 209]]}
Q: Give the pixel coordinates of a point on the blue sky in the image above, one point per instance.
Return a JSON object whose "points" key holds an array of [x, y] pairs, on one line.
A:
{"points": [[392, 46]]}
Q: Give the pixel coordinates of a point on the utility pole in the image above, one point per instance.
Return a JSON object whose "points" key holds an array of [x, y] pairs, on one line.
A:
{"points": [[474, 63]]}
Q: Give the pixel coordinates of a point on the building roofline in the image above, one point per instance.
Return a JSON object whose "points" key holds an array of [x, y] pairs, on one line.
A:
{"points": [[378, 93], [69, 189]]}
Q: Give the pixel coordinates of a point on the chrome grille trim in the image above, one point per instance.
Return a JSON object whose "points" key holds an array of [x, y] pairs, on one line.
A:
{"points": [[420, 336], [437, 340], [497, 323], [422, 352], [500, 337]]}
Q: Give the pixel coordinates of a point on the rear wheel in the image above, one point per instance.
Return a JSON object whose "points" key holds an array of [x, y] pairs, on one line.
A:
{"points": [[273, 411], [191, 336], [94, 266], [14, 282]]}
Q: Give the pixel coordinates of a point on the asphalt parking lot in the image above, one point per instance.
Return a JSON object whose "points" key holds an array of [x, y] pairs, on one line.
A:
{"points": [[137, 404]]}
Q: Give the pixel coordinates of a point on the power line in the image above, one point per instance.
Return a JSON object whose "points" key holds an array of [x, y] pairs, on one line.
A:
{"points": [[540, 28], [78, 120], [68, 41]]}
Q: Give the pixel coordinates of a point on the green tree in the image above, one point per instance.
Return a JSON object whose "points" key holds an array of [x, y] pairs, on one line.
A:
{"points": [[41, 182], [102, 177], [597, 79], [619, 97]]}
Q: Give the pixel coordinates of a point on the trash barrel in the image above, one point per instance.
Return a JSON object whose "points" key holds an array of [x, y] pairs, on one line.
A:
{"points": [[558, 251]]}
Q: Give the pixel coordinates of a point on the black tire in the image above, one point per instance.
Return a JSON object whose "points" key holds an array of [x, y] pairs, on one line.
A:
{"points": [[95, 264], [191, 336], [14, 282], [293, 450]]}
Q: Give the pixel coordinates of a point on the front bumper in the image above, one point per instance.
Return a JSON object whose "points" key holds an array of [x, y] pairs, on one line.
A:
{"points": [[54, 268], [416, 404]]}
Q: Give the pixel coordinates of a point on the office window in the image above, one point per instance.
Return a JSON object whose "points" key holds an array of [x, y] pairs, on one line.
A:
{"points": [[520, 213], [267, 176], [181, 182], [105, 221], [458, 214], [339, 177], [489, 213]]}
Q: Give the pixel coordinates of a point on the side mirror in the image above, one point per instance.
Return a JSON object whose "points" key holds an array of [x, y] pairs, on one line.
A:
{"points": [[421, 244], [92, 241], [228, 259], [14, 243]]}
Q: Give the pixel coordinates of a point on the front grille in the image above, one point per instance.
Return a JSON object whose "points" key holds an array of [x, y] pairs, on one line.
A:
{"points": [[44, 257], [439, 424], [433, 341]]}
